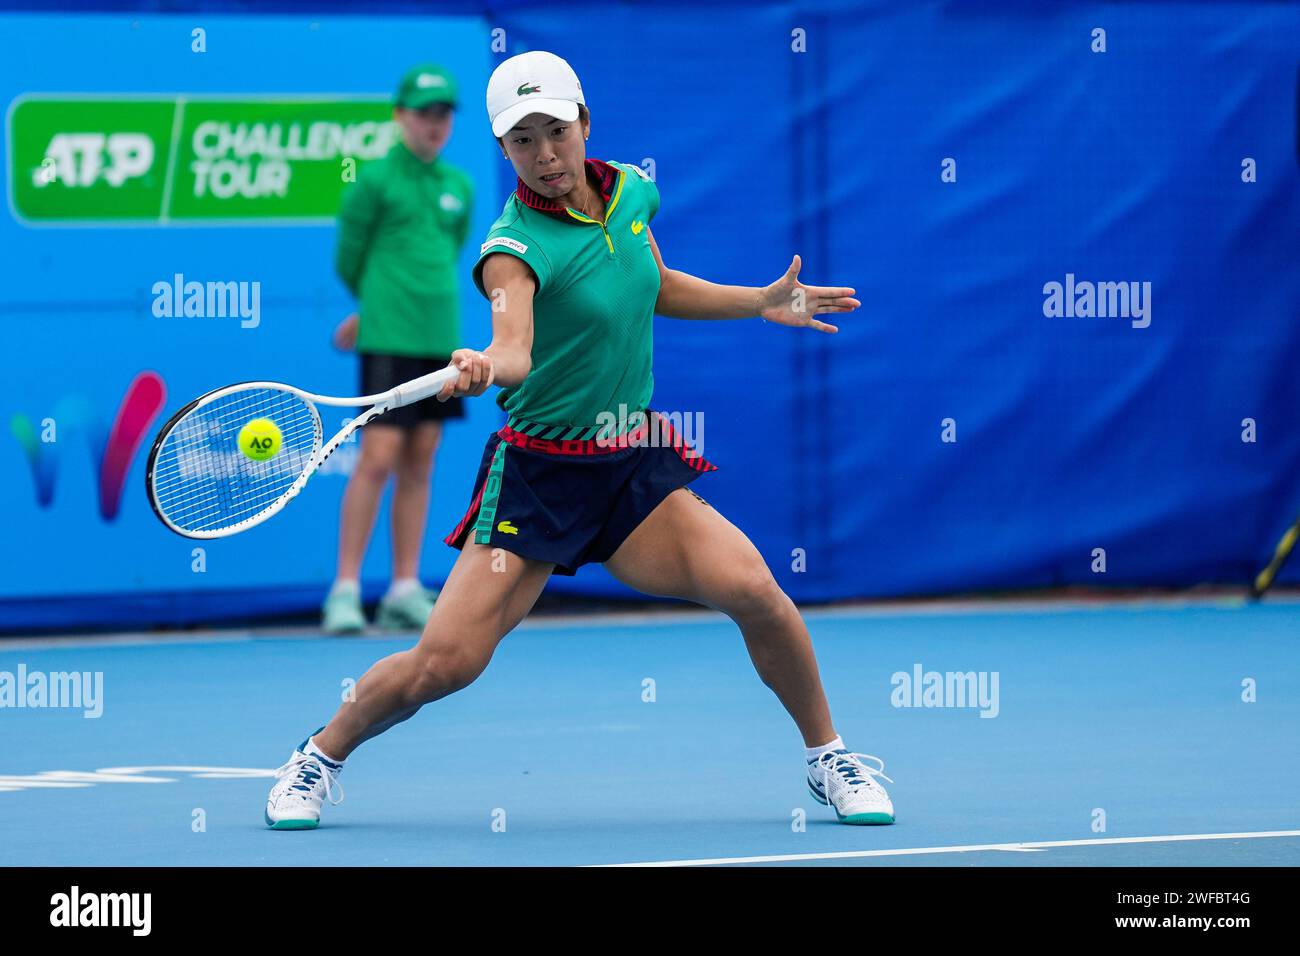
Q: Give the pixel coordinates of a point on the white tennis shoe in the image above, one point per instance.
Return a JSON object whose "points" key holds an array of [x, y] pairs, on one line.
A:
{"points": [[843, 781], [302, 785]]}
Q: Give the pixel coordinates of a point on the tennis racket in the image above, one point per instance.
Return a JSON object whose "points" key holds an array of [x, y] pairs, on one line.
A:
{"points": [[1264, 580], [200, 483]]}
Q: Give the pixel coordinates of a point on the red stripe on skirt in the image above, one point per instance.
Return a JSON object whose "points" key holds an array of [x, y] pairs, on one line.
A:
{"points": [[572, 446], [469, 515], [684, 451]]}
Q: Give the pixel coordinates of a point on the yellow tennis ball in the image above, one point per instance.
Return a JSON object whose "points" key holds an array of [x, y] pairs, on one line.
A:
{"points": [[260, 439]]}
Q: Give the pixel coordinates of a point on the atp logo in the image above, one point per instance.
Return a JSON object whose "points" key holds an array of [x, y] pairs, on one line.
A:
{"points": [[112, 447], [77, 159]]}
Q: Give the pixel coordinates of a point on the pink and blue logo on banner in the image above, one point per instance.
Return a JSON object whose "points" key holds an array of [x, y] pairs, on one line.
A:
{"points": [[112, 446]]}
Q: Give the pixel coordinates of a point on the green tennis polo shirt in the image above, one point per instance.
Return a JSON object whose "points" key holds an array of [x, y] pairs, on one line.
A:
{"points": [[400, 230], [593, 311]]}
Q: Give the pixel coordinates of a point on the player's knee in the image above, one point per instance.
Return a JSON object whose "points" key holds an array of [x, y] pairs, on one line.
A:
{"points": [[444, 672], [753, 593]]}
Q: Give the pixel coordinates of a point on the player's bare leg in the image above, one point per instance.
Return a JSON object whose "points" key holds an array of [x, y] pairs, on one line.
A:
{"points": [[686, 549], [488, 592]]}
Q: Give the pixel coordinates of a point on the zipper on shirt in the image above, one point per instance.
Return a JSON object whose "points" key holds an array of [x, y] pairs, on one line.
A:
{"points": [[596, 222], [582, 217]]}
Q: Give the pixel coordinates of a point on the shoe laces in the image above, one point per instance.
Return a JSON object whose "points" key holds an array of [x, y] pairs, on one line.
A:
{"points": [[306, 770], [852, 768]]}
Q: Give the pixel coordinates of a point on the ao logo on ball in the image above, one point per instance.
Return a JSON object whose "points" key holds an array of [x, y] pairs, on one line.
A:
{"points": [[260, 439]]}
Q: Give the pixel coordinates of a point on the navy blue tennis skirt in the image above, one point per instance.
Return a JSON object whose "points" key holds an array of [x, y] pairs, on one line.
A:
{"points": [[542, 493]]}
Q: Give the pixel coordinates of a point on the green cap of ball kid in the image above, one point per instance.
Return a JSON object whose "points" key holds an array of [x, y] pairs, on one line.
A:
{"points": [[425, 85]]}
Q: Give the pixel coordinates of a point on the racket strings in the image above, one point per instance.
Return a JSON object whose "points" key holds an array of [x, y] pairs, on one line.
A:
{"points": [[201, 479]]}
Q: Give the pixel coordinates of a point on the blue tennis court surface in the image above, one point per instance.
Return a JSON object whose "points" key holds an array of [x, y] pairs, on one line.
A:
{"points": [[1131, 711]]}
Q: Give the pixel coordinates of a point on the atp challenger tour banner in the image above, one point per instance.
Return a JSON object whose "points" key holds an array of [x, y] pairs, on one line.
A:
{"points": [[167, 227], [114, 159]]}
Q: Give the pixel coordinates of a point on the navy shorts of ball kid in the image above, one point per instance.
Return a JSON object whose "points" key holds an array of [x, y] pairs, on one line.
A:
{"points": [[572, 495]]}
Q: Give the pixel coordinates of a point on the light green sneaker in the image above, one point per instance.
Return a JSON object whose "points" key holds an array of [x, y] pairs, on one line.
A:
{"points": [[341, 612], [408, 612]]}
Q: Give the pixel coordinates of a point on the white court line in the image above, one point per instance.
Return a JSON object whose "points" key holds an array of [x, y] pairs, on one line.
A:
{"points": [[973, 848]]}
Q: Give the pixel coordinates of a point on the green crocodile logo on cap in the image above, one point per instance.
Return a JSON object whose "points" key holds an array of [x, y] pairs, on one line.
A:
{"points": [[526, 89]]}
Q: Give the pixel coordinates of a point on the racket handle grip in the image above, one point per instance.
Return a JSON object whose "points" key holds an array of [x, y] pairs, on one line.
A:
{"points": [[421, 388]]}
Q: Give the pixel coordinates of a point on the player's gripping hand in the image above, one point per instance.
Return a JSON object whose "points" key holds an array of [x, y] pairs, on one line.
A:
{"points": [[476, 374]]}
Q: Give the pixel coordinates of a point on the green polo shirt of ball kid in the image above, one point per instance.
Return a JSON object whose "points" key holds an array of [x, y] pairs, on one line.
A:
{"points": [[593, 310], [400, 230]]}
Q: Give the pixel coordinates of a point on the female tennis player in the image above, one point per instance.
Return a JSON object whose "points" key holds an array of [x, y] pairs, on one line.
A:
{"points": [[575, 278]]}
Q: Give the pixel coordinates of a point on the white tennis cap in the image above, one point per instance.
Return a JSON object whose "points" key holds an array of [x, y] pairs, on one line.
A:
{"points": [[535, 82]]}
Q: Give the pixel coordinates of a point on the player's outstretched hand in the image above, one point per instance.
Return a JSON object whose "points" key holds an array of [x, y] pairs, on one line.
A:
{"points": [[476, 374], [345, 333], [787, 301]]}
